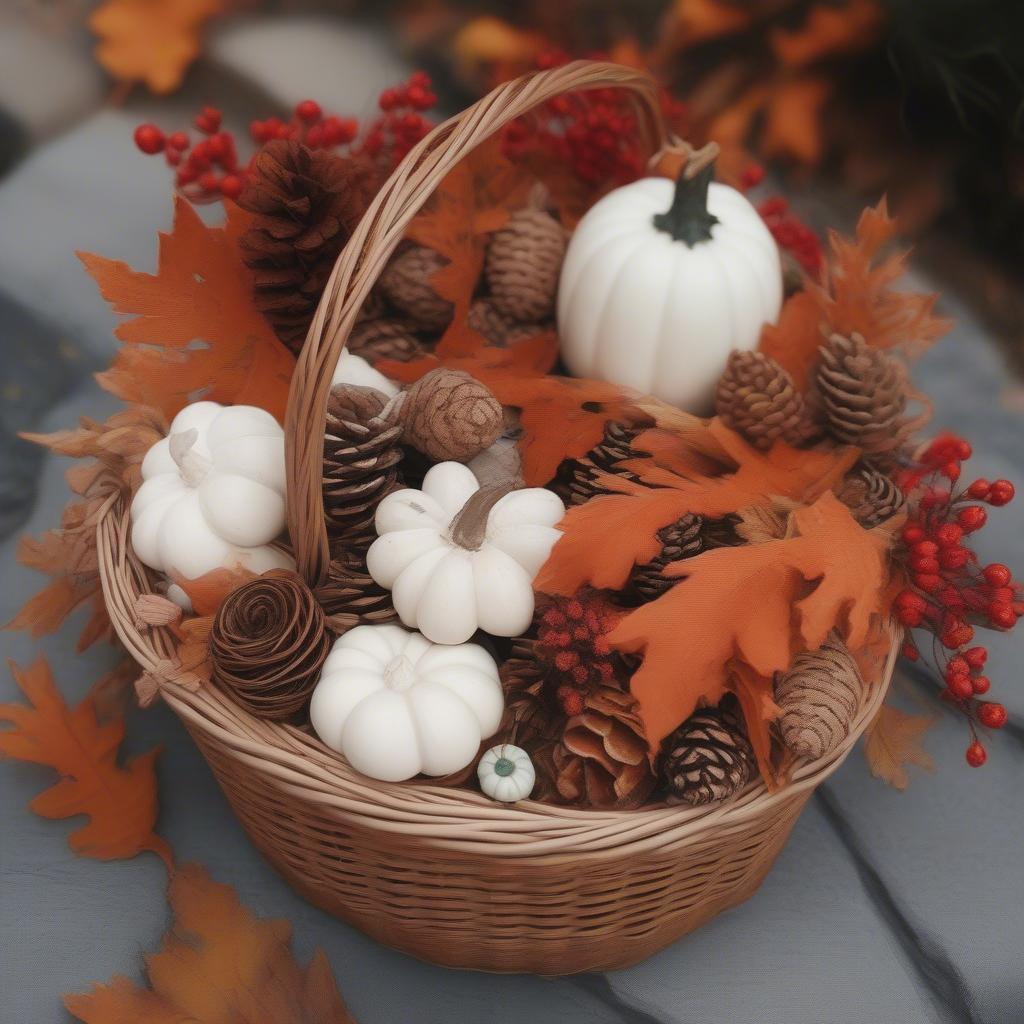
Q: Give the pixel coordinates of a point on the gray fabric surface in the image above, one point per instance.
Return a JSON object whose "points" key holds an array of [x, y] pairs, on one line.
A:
{"points": [[884, 907]]}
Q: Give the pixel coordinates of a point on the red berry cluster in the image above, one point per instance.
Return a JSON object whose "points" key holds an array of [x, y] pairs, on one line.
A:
{"points": [[791, 234], [948, 593], [593, 133], [210, 170], [572, 647]]}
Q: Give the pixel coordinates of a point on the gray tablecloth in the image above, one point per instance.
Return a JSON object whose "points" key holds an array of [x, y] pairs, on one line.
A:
{"points": [[884, 907]]}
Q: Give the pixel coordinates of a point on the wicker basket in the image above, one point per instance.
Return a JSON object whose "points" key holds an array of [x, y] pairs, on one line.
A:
{"points": [[445, 874]]}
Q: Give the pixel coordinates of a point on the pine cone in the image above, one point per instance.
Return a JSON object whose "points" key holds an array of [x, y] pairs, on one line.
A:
{"points": [[350, 597], [707, 758], [871, 496], [602, 757], [361, 456], [863, 394], [576, 481], [449, 415], [757, 398], [524, 260], [306, 203], [383, 339], [495, 327], [819, 697], [406, 285], [681, 539]]}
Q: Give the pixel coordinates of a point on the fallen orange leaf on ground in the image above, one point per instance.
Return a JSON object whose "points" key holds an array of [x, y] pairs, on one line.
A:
{"points": [[218, 963], [119, 800], [892, 741], [195, 330], [151, 41]]}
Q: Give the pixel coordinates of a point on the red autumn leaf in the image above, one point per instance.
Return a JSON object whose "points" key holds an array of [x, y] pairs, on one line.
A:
{"points": [[195, 331], [747, 611], [623, 527], [119, 800], [218, 962]]}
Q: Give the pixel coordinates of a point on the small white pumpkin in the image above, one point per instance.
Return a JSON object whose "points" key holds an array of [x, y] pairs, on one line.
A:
{"points": [[212, 494], [396, 705], [457, 557], [506, 773], [353, 369], [661, 282]]}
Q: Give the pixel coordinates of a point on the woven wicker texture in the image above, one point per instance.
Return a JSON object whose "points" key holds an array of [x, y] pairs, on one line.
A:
{"points": [[443, 873]]}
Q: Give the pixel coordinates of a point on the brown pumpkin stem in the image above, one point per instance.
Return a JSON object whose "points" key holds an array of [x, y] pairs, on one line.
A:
{"points": [[687, 219], [470, 525]]}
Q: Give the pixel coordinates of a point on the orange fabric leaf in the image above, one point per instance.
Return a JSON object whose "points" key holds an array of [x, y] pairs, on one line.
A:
{"points": [[756, 605], [794, 341], [218, 962], [892, 741], [623, 527], [119, 801], [151, 41], [208, 591], [195, 330]]}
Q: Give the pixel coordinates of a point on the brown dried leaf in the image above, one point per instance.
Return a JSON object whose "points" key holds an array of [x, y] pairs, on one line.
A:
{"points": [[892, 741]]}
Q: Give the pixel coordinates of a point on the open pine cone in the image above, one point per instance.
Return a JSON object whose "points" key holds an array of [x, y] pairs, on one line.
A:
{"points": [[681, 539], [306, 203], [576, 481], [871, 496], [350, 597], [757, 398]]}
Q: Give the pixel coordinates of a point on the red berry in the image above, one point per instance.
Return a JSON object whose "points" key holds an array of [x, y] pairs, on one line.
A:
{"points": [[980, 684], [992, 715], [960, 687], [976, 755], [976, 657], [1001, 493], [149, 139], [1002, 615], [954, 558], [997, 575], [909, 617], [925, 548], [172, 156], [308, 111], [565, 660], [910, 652], [972, 518], [951, 470], [910, 599], [928, 582], [574, 609], [913, 534], [963, 449], [752, 176], [209, 182], [979, 489], [948, 535], [957, 635], [924, 564], [231, 186], [179, 140], [957, 667]]}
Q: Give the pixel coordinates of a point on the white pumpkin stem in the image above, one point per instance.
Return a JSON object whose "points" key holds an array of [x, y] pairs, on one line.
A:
{"points": [[194, 467], [469, 527], [687, 219]]}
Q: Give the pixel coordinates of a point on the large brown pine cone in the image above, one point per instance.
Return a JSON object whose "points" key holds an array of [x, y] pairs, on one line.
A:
{"points": [[495, 327], [819, 697], [576, 481], [757, 398], [681, 539], [862, 394], [871, 496], [350, 597], [406, 283], [362, 451], [524, 260], [708, 757], [306, 203], [384, 339]]}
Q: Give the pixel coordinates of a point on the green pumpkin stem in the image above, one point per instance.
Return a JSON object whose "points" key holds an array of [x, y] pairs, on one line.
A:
{"points": [[687, 219]]}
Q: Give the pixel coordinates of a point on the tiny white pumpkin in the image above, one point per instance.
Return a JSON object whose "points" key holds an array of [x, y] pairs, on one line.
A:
{"points": [[353, 369], [506, 773], [458, 558], [396, 705], [212, 494], [662, 281]]}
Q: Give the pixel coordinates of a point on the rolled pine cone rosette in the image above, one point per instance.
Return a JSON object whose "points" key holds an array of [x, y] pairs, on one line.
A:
{"points": [[268, 643]]}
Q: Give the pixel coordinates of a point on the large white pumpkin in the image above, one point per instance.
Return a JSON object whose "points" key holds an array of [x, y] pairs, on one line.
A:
{"points": [[396, 705], [212, 494], [661, 282], [457, 558]]}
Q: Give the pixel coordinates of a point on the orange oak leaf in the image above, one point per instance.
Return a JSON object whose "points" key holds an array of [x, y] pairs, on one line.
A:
{"points": [[218, 962], [754, 606], [794, 341], [195, 331], [151, 41], [119, 800], [892, 741], [623, 526]]}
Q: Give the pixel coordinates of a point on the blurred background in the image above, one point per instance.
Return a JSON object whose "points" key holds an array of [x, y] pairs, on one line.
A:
{"points": [[884, 906]]}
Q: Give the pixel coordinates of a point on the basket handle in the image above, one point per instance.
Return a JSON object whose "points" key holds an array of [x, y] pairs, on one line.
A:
{"points": [[378, 233]]}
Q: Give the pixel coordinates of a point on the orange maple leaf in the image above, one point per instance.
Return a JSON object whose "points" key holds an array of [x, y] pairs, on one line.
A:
{"points": [[119, 801], [195, 332], [624, 526], [218, 962], [741, 614], [151, 41], [892, 741]]}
